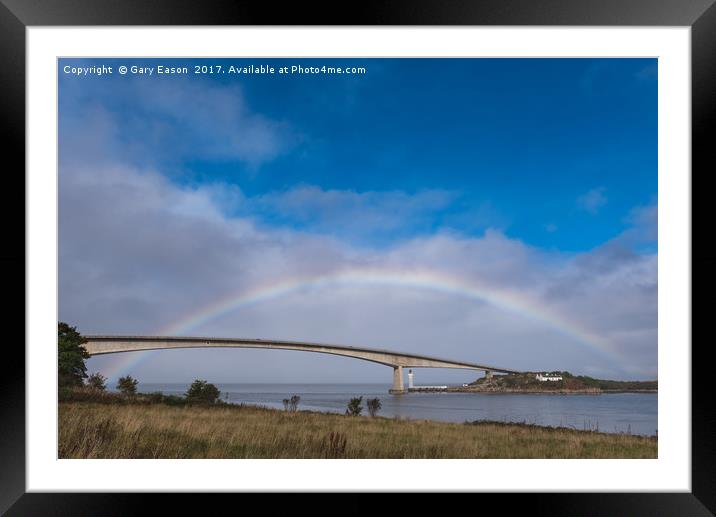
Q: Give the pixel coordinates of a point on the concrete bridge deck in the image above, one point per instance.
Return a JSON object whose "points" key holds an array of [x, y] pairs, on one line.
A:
{"points": [[98, 345]]}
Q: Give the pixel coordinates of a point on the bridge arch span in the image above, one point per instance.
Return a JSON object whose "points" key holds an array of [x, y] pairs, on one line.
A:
{"points": [[100, 345]]}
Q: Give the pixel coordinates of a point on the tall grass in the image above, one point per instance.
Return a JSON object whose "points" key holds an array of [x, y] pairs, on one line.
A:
{"points": [[90, 429]]}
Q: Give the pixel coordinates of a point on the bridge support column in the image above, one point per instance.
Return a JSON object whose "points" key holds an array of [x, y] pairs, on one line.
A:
{"points": [[488, 374], [398, 386]]}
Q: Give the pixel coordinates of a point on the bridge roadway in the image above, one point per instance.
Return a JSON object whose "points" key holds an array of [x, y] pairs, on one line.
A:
{"points": [[98, 345]]}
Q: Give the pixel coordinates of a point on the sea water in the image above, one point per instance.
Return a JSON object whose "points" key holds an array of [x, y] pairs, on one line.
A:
{"points": [[633, 413]]}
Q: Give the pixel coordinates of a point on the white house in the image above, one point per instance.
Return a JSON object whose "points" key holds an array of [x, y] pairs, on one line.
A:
{"points": [[548, 377]]}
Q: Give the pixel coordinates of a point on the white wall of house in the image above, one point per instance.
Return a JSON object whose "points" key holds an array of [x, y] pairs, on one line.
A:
{"points": [[548, 378]]}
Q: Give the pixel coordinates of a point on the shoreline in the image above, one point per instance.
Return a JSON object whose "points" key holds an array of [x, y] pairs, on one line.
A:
{"points": [[514, 391]]}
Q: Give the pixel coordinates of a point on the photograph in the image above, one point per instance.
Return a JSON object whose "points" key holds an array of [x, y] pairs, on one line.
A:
{"points": [[358, 258], [406, 247]]}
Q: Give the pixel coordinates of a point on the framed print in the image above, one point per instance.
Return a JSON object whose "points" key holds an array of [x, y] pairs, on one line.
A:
{"points": [[442, 249]]}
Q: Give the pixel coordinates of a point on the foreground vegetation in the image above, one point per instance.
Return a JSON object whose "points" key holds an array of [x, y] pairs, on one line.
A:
{"points": [[109, 425]]}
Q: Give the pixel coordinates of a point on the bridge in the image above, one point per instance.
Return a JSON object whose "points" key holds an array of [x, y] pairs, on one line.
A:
{"points": [[98, 345]]}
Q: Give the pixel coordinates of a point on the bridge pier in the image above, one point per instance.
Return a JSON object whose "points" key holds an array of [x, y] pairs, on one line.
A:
{"points": [[488, 374], [398, 386]]}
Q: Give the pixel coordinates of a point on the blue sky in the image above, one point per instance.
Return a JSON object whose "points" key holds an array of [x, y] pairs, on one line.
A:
{"points": [[555, 152], [439, 163]]}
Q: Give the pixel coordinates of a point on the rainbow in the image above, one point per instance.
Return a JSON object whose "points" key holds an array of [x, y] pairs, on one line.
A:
{"points": [[510, 300]]}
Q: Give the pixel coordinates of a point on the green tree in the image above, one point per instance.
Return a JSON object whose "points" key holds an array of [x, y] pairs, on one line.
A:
{"points": [[97, 381], [71, 369], [374, 406], [202, 392], [354, 408], [127, 385]]}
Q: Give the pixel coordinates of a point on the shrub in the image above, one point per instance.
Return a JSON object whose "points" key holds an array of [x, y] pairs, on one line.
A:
{"points": [[97, 381], [374, 406], [292, 403], [354, 408], [202, 392], [155, 397], [174, 400], [127, 385]]}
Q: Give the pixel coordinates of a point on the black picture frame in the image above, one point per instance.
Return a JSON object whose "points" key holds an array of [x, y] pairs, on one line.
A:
{"points": [[17, 15]]}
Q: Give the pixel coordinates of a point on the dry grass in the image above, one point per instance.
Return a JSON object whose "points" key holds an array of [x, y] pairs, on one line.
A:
{"points": [[96, 430]]}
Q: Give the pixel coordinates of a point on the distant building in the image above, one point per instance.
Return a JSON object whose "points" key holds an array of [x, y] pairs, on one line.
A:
{"points": [[552, 377], [410, 378]]}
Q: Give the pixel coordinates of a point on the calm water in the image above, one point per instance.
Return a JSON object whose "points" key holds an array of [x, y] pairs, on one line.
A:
{"points": [[617, 412]]}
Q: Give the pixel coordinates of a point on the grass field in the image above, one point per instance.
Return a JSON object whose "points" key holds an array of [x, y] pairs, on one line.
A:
{"points": [[134, 430]]}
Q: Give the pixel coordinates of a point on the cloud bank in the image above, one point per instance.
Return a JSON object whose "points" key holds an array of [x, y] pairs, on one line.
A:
{"points": [[138, 253]]}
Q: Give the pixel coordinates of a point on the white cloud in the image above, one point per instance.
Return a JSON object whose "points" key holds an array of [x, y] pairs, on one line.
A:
{"points": [[362, 216], [169, 120]]}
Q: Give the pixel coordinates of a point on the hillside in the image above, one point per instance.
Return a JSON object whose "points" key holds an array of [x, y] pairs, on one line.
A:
{"points": [[578, 383]]}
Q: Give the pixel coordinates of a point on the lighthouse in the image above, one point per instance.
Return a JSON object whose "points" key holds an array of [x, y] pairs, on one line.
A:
{"points": [[410, 379]]}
